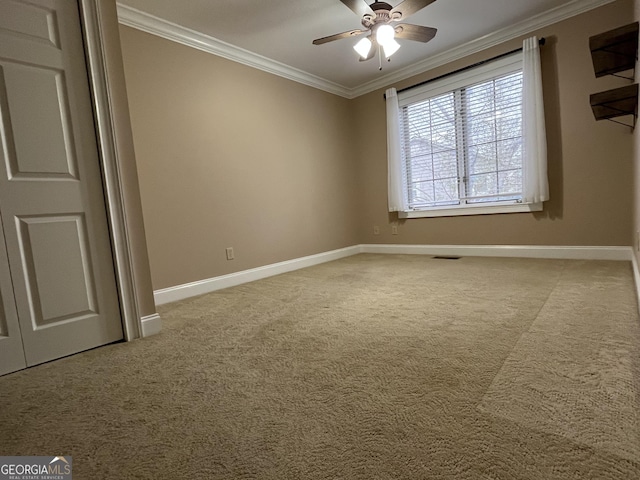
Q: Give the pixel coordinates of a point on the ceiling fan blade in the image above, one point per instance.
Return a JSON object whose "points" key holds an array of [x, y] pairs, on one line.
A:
{"points": [[409, 7], [338, 36], [359, 7], [417, 33]]}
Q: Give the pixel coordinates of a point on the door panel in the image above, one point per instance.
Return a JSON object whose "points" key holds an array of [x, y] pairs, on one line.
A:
{"points": [[51, 300], [37, 102], [4, 331], [30, 20], [11, 351], [51, 199]]}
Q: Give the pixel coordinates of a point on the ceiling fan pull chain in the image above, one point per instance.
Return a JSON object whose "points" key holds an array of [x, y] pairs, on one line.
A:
{"points": [[380, 57]]}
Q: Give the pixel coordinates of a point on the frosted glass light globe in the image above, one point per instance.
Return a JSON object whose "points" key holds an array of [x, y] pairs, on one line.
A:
{"points": [[390, 47], [385, 34], [363, 47]]}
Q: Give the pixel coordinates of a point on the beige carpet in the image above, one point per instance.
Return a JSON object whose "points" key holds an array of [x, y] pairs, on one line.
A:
{"points": [[371, 367]]}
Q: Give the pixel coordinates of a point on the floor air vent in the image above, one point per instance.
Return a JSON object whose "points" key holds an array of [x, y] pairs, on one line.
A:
{"points": [[444, 257]]}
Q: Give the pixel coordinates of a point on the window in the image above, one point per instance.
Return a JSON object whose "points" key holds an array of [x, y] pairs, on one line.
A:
{"points": [[461, 143]]}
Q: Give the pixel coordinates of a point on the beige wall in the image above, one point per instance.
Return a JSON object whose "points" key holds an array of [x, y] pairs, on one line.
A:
{"points": [[585, 156], [230, 156]]}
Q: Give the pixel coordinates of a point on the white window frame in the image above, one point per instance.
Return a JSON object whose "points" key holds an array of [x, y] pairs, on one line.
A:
{"points": [[488, 71]]}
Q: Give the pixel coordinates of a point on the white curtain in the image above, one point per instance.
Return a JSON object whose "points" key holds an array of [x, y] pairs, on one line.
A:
{"points": [[397, 202], [535, 186]]}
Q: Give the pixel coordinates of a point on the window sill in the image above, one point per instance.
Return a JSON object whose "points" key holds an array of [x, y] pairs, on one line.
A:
{"points": [[472, 210]]}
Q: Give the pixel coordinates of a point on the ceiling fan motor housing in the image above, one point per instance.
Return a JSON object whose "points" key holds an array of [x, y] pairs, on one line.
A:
{"points": [[382, 15], [380, 6]]}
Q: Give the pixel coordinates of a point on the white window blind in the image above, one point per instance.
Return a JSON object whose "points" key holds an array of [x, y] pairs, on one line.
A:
{"points": [[465, 146], [472, 142]]}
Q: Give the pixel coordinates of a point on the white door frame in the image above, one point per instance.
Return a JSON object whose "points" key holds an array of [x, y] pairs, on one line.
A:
{"points": [[93, 33]]}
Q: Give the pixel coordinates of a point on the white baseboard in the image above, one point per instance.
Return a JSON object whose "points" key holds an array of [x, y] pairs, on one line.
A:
{"points": [[151, 324], [187, 290], [522, 251], [180, 292], [636, 277]]}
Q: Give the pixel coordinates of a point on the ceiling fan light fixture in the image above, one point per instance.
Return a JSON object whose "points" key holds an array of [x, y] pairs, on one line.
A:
{"points": [[385, 33], [377, 21], [363, 47], [390, 47]]}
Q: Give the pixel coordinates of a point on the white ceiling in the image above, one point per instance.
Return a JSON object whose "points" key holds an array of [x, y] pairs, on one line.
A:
{"points": [[282, 31]]}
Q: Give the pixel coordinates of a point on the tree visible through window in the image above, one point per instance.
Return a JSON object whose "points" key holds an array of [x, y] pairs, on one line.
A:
{"points": [[465, 146]]}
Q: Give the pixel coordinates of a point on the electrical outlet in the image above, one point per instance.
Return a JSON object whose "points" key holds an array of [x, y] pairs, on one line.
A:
{"points": [[229, 251], [376, 230], [394, 229]]}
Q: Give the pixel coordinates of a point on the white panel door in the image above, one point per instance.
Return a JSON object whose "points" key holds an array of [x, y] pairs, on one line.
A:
{"points": [[51, 199]]}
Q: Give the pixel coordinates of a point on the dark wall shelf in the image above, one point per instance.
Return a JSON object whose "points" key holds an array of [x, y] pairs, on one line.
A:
{"points": [[615, 51], [618, 102]]}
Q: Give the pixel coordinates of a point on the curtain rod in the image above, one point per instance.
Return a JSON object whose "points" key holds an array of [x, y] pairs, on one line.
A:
{"points": [[541, 42]]}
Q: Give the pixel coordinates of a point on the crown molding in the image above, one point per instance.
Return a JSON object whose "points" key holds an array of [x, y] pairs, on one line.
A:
{"points": [[498, 37], [145, 22]]}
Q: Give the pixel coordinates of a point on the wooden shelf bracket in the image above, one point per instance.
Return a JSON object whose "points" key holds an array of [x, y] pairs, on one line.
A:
{"points": [[619, 102], [615, 51]]}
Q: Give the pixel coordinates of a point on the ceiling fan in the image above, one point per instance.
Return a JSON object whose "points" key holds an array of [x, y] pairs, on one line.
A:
{"points": [[379, 19]]}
